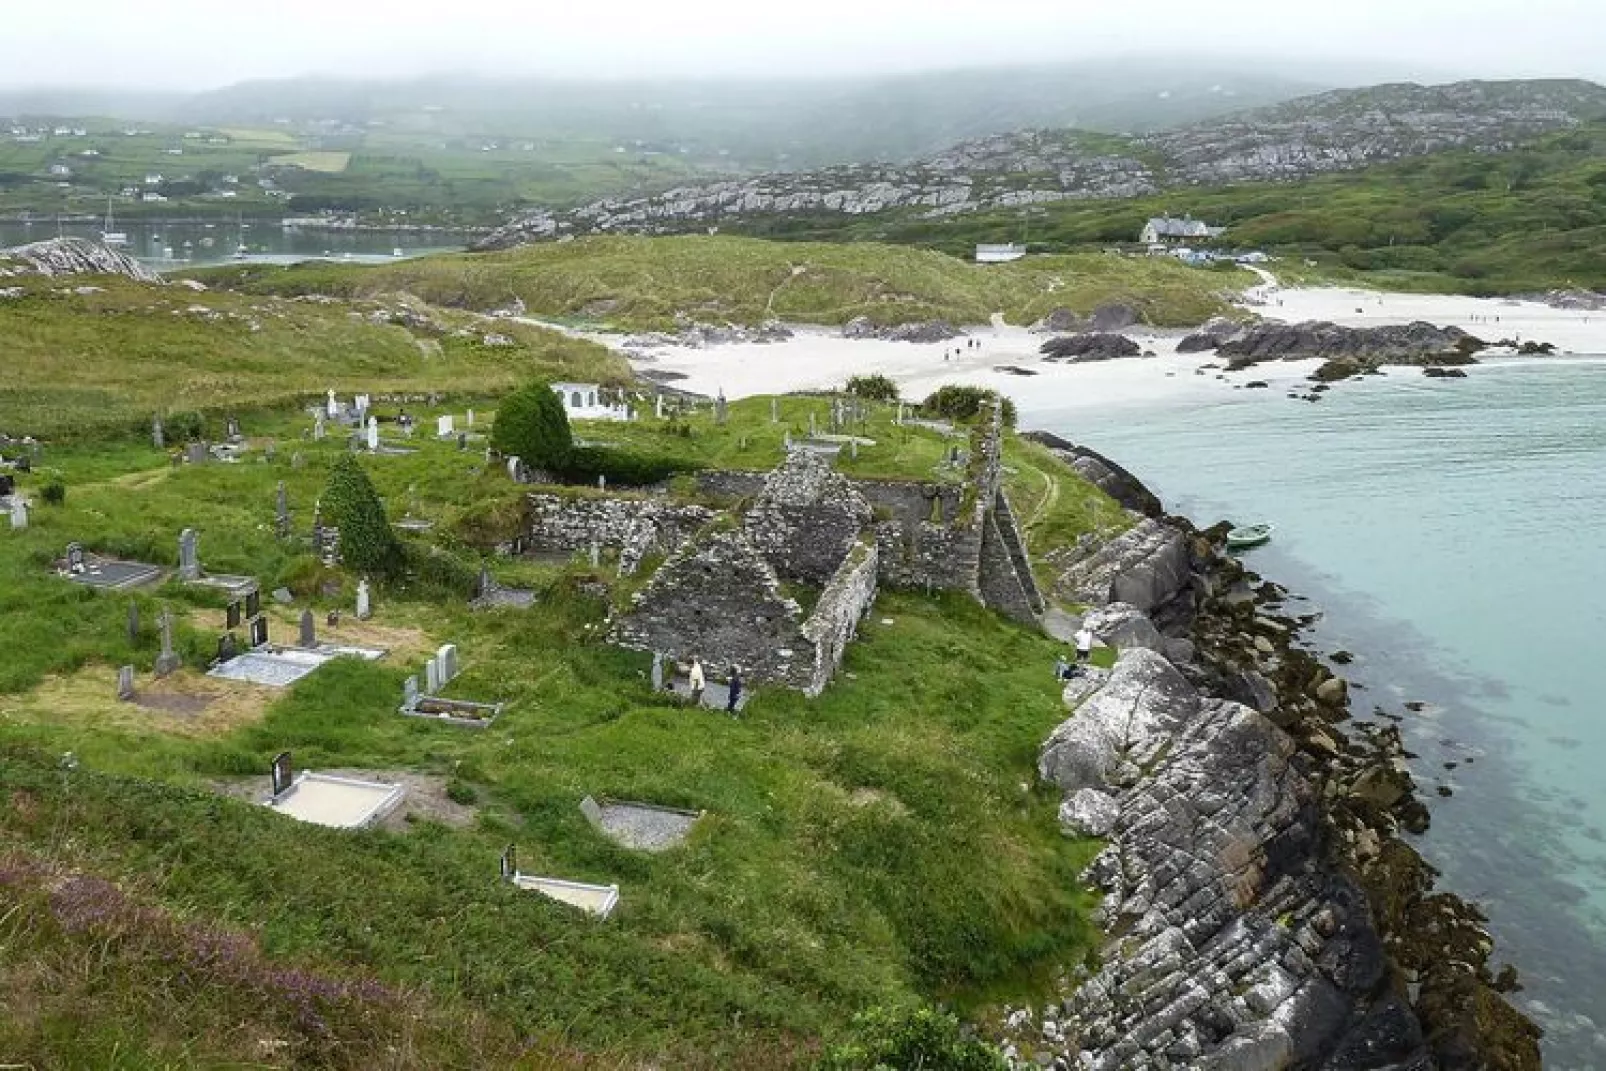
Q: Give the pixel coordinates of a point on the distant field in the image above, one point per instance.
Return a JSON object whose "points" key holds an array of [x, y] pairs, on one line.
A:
{"points": [[261, 136], [328, 162]]}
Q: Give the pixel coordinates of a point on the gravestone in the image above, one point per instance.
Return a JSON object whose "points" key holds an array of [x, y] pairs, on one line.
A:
{"points": [[253, 602], [234, 614], [7, 484], [234, 430], [125, 684], [813, 429], [596, 554], [592, 811], [447, 657], [365, 608], [445, 427], [362, 403], [657, 671], [515, 470], [283, 596], [432, 677], [19, 512], [309, 629], [332, 407], [297, 461], [468, 418], [658, 402], [410, 693], [283, 774], [775, 411], [373, 434], [786, 439], [228, 648], [721, 409], [853, 447], [168, 661], [158, 436], [75, 558], [281, 511], [195, 453], [900, 413], [484, 586], [510, 863], [133, 623], [189, 558], [462, 440], [319, 431], [602, 482], [259, 632]]}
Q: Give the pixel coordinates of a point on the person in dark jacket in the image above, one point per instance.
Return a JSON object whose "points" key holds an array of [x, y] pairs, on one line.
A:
{"points": [[735, 691]]}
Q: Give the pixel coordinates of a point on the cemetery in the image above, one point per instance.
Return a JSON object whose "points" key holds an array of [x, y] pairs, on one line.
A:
{"points": [[520, 638]]}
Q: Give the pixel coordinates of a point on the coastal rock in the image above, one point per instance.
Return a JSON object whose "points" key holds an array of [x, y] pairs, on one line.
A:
{"points": [[1060, 321], [1124, 627], [1094, 346], [1145, 567], [1088, 813], [930, 331], [1114, 316], [1210, 336], [1351, 349], [72, 256], [1143, 696], [1444, 373]]}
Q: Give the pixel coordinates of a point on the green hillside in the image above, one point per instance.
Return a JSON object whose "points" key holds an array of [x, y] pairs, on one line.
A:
{"points": [[643, 283]]}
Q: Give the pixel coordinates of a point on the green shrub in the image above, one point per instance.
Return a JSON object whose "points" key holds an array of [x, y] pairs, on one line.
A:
{"points": [[184, 427], [874, 388], [461, 792], [531, 425], [903, 1040], [964, 403], [367, 543], [54, 492], [433, 571], [622, 468]]}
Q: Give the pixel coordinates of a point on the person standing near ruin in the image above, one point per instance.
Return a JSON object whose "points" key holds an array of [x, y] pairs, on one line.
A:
{"points": [[734, 690], [697, 681], [1084, 645]]}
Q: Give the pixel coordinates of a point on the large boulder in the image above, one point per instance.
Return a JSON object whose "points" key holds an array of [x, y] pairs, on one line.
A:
{"points": [[863, 327], [1114, 316], [1414, 343], [1101, 472], [1146, 567], [1210, 336], [1124, 627], [1143, 697], [1094, 346], [72, 256]]}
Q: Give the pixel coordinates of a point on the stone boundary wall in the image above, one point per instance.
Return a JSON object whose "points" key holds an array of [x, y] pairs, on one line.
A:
{"points": [[843, 604], [730, 483], [574, 522]]}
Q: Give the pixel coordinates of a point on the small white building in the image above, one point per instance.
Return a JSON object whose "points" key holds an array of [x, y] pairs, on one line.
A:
{"points": [[999, 254], [584, 401]]}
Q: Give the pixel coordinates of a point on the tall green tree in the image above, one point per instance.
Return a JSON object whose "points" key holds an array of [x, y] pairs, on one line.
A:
{"points": [[531, 424]]}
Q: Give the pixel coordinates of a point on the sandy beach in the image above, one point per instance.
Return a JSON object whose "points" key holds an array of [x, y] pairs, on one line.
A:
{"points": [[819, 358]]}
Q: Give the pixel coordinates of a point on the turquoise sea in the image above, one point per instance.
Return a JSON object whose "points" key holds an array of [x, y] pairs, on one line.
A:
{"points": [[1453, 536]]}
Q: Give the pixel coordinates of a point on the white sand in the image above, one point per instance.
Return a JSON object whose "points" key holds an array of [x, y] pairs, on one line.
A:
{"points": [[819, 358]]}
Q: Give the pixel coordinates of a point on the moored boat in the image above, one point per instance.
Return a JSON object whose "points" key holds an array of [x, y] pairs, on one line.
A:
{"points": [[1250, 535]]}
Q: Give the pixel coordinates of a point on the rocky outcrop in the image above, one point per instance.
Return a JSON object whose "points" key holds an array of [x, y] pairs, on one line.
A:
{"points": [[1093, 346], [1146, 566], [1210, 336], [1101, 472], [929, 331], [71, 256], [1350, 350]]}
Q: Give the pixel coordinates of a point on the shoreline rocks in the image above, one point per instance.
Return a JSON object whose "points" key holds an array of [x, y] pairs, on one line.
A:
{"points": [[1260, 907], [71, 256], [1350, 351], [929, 331], [1092, 346]]}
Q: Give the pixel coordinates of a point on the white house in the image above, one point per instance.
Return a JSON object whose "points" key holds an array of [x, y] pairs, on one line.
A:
{"points": [[999, 254], [584, 401], [1164, 229]]}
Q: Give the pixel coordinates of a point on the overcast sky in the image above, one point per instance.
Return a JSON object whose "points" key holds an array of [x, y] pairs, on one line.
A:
{"points": [[196, 44]]}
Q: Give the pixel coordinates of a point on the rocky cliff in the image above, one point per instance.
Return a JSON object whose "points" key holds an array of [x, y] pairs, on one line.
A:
{"points": [[1334, 131], [1261, 910]]}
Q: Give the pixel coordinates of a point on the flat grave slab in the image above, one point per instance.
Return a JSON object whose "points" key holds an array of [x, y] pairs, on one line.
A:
{"points": [[231, 585], [108, 575], [599, 900], [454, 711], [337, 802], [642, 827], [280, 667], [413, 524]]}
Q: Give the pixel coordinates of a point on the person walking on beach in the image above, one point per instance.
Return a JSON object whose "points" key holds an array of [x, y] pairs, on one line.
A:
{"points": [[733, 690], [1084, 644], [697, 681]]}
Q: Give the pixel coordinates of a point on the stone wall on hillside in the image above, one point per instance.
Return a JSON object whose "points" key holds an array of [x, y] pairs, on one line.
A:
{"points": [[635, 527], [730, 483], [835, 620]]}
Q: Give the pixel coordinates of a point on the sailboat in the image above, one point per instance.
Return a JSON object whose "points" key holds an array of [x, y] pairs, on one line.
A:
{"points": [[111, 237]]}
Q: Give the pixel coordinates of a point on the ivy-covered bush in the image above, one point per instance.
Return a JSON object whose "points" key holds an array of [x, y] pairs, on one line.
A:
{"points": [[964, 403], [367, 542], [531, 425], [874, 388]]}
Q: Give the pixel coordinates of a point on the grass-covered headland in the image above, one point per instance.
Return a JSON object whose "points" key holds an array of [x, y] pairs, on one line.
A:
{"points": [[882, 846]]}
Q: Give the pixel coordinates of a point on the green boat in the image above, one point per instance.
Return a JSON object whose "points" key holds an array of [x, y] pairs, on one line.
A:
{"points": [[1251, 535]]}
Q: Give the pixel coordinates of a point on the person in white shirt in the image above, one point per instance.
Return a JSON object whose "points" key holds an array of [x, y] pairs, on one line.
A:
{"points": [[1084, 644], [698, 681]]}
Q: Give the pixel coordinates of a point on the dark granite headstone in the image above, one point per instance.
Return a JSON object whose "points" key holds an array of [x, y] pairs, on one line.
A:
{"points": [[228, 648], [283, 773], [233, 615], [309, 629], [133, 623], [259, 631], [75, 558], [253, 602], [510, 863]]}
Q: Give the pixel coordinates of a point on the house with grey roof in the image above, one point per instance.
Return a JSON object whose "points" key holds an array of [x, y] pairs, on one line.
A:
{"points": [[1163, 230]]}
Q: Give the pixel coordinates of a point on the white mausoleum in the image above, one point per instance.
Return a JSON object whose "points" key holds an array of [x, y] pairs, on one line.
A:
{"points": [[584, 401]]}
